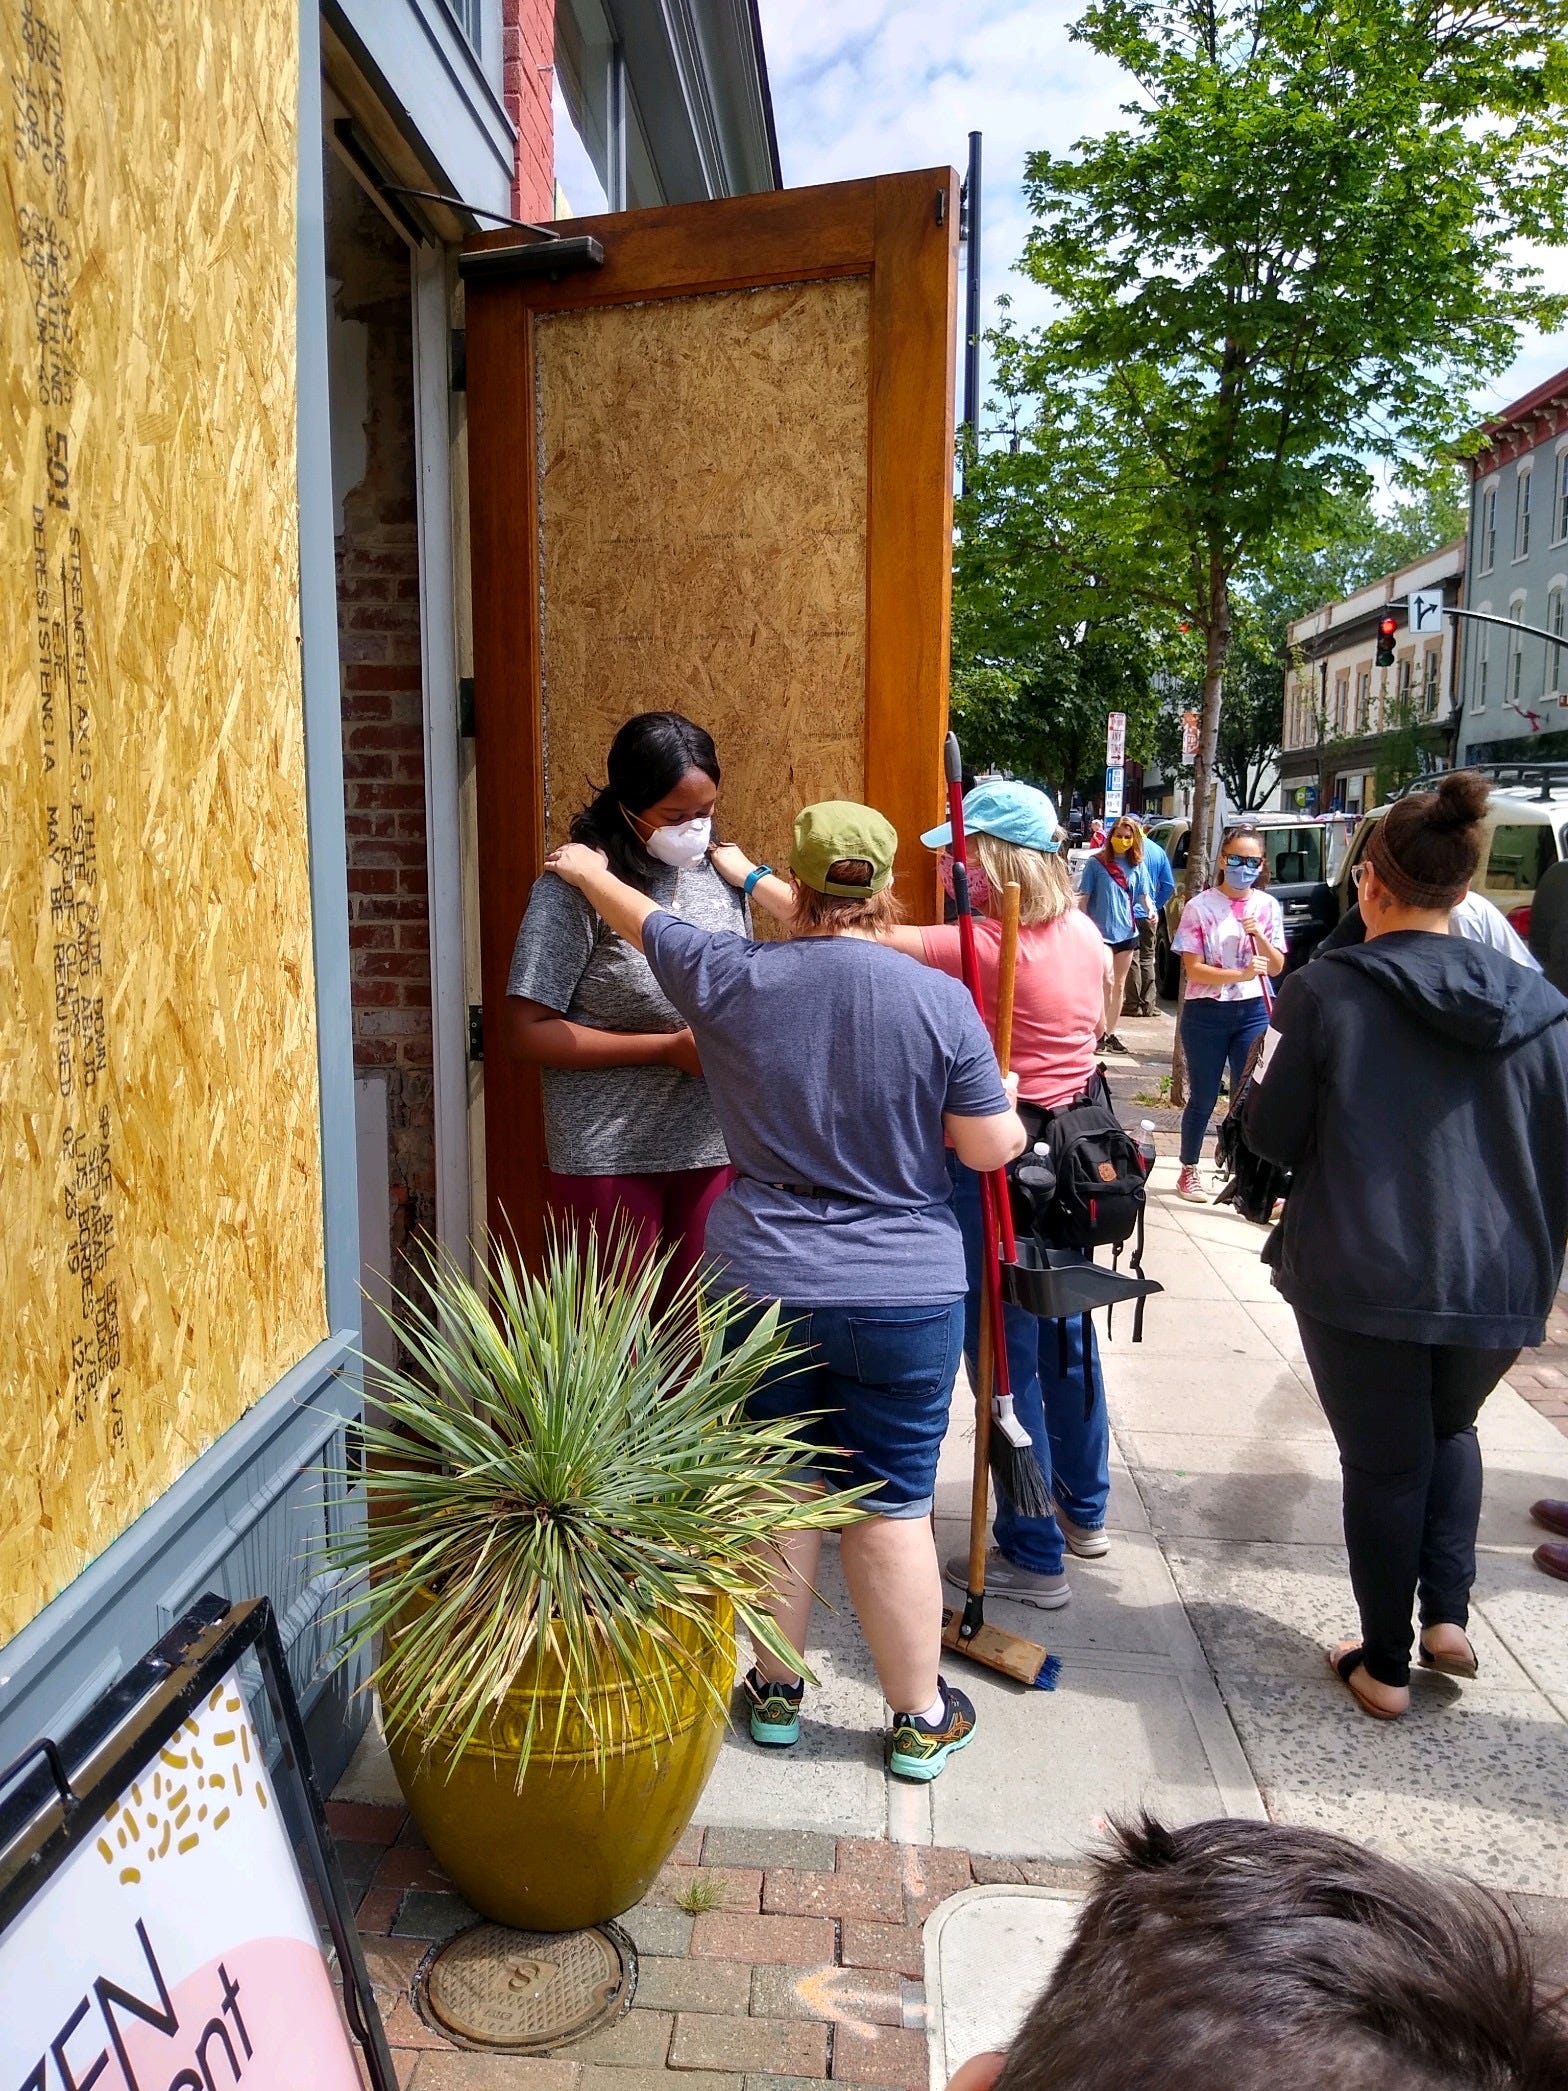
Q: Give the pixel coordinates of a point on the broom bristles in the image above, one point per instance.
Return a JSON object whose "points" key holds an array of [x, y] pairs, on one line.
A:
{"points": [[1016, 1473]]}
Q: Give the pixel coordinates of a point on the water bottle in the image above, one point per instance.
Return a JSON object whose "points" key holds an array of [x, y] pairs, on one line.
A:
{"points": [[1146, 1143]]}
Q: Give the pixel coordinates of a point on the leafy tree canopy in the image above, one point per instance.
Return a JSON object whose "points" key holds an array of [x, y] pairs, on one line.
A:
{"points": [[1297, 256]]}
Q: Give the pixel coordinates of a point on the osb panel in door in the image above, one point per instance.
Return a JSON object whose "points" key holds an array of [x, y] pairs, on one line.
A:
{"points": [[161, 1253], [702, 541]]}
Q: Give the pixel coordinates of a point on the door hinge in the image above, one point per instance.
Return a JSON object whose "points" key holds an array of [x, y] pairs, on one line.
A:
{"points": [[941, 206], [465, 707], [476, 1031], [458, 360]]}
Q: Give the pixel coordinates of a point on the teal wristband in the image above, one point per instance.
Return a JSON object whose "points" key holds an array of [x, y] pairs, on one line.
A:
{"points": [[762, 871]]}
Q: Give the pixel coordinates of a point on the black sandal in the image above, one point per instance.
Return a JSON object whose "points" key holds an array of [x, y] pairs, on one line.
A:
{"points": [[1466, 1665], [1344, 1669]]}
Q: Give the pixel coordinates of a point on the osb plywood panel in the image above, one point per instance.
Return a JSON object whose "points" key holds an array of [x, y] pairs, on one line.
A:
{"points": [[161, 1254], [702, 541]]}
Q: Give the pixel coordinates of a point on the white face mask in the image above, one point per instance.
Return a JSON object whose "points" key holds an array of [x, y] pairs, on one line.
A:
{"points": [[684, 846]]}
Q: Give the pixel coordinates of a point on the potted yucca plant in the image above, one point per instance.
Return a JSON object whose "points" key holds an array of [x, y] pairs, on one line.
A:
{"points": [[568, 1514]]}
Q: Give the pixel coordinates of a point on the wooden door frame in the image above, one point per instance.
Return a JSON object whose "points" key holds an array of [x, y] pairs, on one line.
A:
{"points": [[900, 231]]}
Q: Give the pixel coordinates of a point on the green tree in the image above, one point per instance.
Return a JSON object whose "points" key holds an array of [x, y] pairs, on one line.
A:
{"points": [[1046, 641], [1356, 543], [1246, 759], [1297, 256]]}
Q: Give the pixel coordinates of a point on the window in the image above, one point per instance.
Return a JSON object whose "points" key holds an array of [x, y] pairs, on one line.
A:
{"points": [[1402, 675], [1522, 478], [467, 13], [1364, 698], [1431, 669], [1483, 664], [1488, 531], [1295, 855], [1342, 700], [1518, 859], [1560, 505], [590, 103], [1554, 610]]}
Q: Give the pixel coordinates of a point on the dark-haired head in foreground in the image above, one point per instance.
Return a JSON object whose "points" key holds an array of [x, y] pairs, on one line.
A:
{"points": [[1248, 1956]]}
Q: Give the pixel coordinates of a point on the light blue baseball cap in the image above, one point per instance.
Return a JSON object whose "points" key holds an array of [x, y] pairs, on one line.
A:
{"points": [[1013, 812]]}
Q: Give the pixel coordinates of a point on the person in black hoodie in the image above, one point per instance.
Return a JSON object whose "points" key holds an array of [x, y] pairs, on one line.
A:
{"points": [[1417, 1087]]}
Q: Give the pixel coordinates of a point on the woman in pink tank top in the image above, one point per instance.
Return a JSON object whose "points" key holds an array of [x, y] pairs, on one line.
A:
{"points": [[1058, 1021]]}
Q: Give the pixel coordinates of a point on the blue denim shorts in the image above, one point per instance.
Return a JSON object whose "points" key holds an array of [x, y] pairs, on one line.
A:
{"points": [[882, 1378]]}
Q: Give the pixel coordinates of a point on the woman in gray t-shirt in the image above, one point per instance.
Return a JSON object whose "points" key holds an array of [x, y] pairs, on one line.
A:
{"points": [[630, 1133]]}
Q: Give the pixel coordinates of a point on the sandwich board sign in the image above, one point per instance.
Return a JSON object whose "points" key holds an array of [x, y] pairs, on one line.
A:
{"points": [[155, 1933]]}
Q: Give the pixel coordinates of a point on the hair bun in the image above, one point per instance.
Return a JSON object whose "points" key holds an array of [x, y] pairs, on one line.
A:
{"points": [[1459, 801]]}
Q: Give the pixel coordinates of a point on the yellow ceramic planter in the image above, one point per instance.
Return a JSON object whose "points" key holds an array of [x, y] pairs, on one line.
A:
{"points": [[579, 1841]]}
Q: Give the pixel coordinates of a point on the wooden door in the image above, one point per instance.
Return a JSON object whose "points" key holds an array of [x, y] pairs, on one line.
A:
{"points": [[713, 475]]}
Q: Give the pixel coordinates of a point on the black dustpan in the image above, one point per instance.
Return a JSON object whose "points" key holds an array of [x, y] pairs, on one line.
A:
{"points": [[1054, 1283]]}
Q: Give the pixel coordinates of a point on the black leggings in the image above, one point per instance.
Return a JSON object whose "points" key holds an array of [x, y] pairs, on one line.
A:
{"points": [[1403, 1416]]}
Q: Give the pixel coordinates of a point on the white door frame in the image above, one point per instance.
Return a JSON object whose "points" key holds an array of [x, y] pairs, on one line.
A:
{"points": [[430, 274]]}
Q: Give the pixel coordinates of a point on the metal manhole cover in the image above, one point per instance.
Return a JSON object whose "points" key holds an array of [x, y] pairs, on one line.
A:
{"points": [[525, 1992]]}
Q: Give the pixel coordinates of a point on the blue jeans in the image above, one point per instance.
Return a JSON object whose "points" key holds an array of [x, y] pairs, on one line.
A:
{"points": [[1211, 1034], [1073, 1449], [877, 1383]]}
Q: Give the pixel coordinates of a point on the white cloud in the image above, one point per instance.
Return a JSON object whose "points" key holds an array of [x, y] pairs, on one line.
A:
{"points": [[875, 86]]}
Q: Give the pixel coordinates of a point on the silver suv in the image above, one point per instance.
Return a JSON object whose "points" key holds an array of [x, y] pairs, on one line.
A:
{"points": [[1527, 822]]}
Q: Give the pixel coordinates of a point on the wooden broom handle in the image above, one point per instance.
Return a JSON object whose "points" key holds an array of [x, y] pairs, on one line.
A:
{"points": [[1007, 974]]}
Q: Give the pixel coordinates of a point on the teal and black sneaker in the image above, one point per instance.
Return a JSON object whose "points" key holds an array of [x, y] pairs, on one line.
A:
{"points": [[775, 1711], [921, 1748]]}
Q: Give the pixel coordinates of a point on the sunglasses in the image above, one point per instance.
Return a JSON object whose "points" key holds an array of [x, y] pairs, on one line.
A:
{"points": [[1234, 863]]}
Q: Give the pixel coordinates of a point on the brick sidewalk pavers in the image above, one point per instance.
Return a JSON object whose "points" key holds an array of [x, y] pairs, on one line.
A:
{"points": [[808, 1970], [1541, 1376]]}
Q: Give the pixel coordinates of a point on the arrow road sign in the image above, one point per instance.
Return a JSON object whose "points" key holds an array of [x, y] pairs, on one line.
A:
{"points": [[1426, 611]]}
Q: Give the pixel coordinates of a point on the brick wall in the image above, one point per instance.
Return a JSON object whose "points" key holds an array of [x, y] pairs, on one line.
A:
{"points": [[528, 54], [379, 649]]}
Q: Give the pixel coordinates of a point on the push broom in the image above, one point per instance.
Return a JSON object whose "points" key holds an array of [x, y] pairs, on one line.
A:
{"points": [[966, 1632]]}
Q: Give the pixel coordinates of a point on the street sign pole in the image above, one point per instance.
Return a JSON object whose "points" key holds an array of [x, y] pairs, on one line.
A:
{"points": [[1115, 758]]}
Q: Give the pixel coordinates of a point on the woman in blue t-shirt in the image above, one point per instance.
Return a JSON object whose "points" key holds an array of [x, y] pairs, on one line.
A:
{"points": [[835, 1067], [1114, 891]]}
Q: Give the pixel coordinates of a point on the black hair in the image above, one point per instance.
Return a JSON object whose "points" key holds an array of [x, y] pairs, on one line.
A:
{"points": [[1260, 1955], [647, 759]]}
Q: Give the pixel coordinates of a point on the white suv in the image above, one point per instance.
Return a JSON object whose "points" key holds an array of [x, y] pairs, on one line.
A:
{"points": [[1527, 822]]}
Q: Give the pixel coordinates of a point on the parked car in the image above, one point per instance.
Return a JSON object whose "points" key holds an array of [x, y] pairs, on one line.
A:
{"points": [[1303, 853], [1528, 830]]}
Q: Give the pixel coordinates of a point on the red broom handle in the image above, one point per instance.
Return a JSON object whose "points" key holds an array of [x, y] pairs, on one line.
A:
{"points": [[996, 1207]]}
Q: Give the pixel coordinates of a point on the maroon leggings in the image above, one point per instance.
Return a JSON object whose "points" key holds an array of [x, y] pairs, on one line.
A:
{"points": [[665, 1209]]}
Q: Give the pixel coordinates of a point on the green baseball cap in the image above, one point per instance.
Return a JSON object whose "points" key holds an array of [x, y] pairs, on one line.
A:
{"points": [[836, 829]]}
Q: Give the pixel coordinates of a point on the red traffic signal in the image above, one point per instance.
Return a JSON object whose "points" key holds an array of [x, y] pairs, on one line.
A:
{"points": [[1387, 626]]}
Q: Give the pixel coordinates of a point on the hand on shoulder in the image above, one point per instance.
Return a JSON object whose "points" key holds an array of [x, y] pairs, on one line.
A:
{"points": [[573, 862], [731, 862]]}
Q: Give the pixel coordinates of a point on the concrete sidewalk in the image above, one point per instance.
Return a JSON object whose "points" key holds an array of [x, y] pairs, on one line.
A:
{"points": [[1193, 1676], [1193, 1682]]}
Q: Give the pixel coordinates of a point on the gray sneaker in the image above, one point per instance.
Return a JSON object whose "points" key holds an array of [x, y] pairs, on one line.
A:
{"points": [[1091, 1541], [1006, 1579]]}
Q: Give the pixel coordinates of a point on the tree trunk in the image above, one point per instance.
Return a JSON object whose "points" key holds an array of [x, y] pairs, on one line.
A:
{"points": [[1200, 835]]}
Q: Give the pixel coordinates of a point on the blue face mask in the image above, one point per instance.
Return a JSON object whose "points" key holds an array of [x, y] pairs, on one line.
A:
{"points": [[1241, 871]]}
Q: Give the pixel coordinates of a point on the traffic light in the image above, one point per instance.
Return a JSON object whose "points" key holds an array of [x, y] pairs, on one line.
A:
{"points": [[1387, 626]]}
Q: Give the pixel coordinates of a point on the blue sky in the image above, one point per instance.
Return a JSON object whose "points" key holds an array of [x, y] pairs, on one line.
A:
{"points": [[874, 86]]}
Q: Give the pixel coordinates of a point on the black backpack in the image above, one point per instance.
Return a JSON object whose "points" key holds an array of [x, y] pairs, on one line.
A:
{"points": [[1252, 1185], [1081, 1184]]}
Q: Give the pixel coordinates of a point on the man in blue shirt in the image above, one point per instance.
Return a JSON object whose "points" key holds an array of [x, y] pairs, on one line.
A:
{"points": [[1142, 997]]}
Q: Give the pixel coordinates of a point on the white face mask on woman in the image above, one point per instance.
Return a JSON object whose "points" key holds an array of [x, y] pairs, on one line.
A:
{"points": [[683, 846]]}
